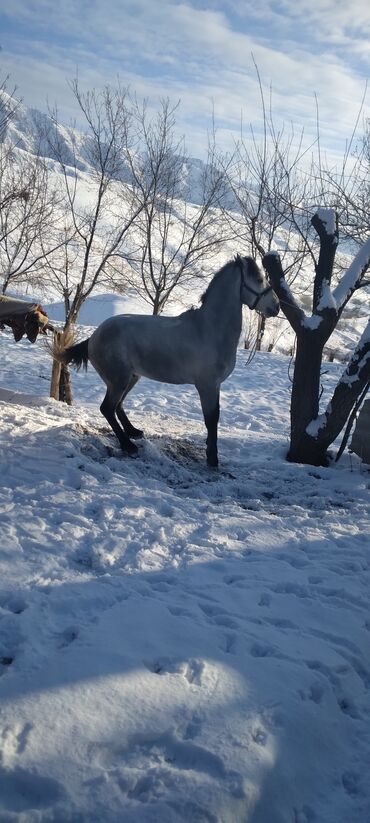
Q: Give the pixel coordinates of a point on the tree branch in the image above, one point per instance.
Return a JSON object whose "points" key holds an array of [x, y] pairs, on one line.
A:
{"points": [[296, 316], [325, 222], [352, 278]]}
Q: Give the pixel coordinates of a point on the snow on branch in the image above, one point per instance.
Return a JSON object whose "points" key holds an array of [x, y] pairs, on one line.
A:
{"points": [[359, 360], [328, 218], [352, 277], [325, 222]]}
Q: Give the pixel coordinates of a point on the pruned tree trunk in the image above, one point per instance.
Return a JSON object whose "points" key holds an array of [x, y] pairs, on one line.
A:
{"points": [[65, 385], [61, 384], [55, 371], [305, 397], [312, 433]]}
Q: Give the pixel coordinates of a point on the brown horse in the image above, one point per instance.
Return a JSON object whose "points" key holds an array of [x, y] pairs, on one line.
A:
{"points": [[24, 318]]}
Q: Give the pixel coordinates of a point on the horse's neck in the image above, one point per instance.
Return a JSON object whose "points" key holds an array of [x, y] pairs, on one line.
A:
{"points": [[223, 309]]}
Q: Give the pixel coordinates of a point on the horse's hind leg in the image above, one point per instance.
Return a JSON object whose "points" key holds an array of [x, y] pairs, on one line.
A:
{"points": [[210, 401], [129, 429], [108, 410]]}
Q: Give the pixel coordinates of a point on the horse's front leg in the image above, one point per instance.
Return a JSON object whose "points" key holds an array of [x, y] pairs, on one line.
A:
{"points": [[210, 401]]}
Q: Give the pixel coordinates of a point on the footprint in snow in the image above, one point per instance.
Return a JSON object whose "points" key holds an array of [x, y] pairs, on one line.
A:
{"points": [[193, 729], [178, 611], [314, 693], [263, 650], [351, 783], [260, 737], [5, 661], [228, 645], [67, 637], [192, 670], [304, 815], [163, 754], [348, 707], [22, 791], [235, 580], [13, 603], [14, 741]]}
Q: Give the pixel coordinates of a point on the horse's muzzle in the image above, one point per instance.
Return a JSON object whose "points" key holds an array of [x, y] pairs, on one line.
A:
{"points": [[272, 311]]}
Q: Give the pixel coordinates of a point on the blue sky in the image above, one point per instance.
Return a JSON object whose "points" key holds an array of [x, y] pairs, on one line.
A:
{"points": [[198, 52]]}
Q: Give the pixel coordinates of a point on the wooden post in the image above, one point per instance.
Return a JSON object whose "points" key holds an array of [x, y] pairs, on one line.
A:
{"points": [[55, 372], [65, 385]]}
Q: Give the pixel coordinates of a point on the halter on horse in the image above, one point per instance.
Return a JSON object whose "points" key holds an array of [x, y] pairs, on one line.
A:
{"points": [[196, 347]]}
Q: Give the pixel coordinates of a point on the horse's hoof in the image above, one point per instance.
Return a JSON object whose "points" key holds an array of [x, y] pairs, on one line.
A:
{"points": [[130, 449], [136, 434]]}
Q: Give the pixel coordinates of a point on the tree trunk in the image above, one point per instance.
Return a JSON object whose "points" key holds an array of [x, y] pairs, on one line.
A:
{"points": [[55, 371], [311, 433], [65, 385], [305, 400], [61, 385]]}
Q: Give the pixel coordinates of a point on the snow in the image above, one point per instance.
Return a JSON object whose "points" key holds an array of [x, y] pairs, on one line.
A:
{"points": [[99, 307], [326, 300], [313, 322], [327, 217], [361, 355], [315, 425], [178, 644], [352, 275], [24, 129]]}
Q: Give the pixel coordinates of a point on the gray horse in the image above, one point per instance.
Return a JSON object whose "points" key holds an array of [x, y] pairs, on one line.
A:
{"points": [[196, 347]]}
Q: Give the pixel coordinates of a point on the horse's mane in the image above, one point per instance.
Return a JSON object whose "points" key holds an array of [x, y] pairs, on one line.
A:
{"points": [[216, 277]]}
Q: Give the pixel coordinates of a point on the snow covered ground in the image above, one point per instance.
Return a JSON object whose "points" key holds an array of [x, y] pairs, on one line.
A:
{"points": [[178, 644]]}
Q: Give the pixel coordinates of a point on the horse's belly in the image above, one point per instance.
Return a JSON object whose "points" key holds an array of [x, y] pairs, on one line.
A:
{"points": [[162, 373], [225, 369]]}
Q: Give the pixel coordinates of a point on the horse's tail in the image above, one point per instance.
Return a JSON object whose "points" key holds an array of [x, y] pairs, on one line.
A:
{"points": [[76, 354]]}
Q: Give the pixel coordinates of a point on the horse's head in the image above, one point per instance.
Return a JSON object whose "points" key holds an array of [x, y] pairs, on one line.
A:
{"points": [[256, 292]]}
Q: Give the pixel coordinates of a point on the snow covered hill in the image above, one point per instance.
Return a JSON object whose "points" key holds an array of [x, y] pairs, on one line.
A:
{"points": [[99, 307], [29, 129], [178, 645]]}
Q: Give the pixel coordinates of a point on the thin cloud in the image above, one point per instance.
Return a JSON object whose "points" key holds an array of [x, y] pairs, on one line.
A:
{"points": [[202, 56]]}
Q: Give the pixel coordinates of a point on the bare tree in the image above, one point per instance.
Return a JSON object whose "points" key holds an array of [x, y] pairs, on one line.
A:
{"points": [[28, 202], [8, 106], [99, 210], [173, 237], [350, 187], [312, 433], [275, 184]]}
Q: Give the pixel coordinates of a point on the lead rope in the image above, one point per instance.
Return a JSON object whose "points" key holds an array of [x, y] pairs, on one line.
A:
{"points": [[258, 297], [252, 352]]}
